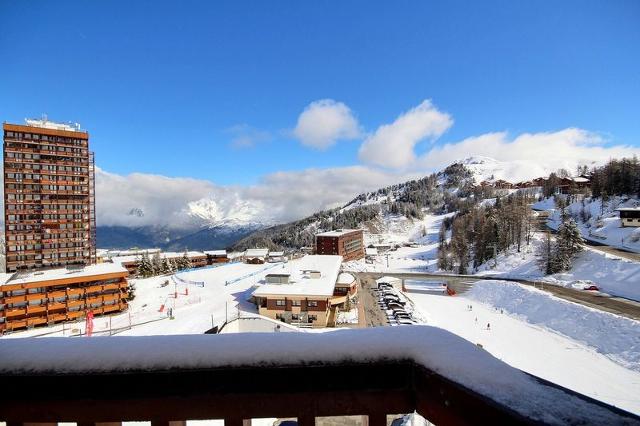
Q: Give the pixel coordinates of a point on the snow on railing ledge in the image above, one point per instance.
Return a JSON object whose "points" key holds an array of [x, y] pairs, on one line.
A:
{"points": [[437, 350]]}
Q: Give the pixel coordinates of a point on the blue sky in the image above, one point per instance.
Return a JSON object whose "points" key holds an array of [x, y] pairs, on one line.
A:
{"points": [[159, 85], [269, 111]]}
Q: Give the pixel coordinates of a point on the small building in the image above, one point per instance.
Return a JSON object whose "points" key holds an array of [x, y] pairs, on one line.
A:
{"points": [[276, 256], [348, 243], [370, 252], [63, 294], [216, 256], [346, 285], [629, 216], [256, 256], [304, 293]]}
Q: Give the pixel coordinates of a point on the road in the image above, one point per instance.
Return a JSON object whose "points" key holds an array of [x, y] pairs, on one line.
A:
{"points": [[615, 305]]}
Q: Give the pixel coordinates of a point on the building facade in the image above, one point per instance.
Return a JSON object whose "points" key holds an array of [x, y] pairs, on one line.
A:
{"points": [[307, 292], [630, 216], [49, 196], [29, 299], [348, 243]]}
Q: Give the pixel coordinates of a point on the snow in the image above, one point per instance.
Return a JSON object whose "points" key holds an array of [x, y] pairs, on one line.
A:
{"points": [[61, 273], [337, 233], [257, 252], [534, 348], [300, 282], [436, 349], [348, 317], [614, 336], [345, 278], [602, 224], [396, 230], [216, 252], [194, 313], [611, 274]]}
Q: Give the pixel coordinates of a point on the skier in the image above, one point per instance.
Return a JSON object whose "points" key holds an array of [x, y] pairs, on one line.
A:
{"points": [[476, 320], [488, 326]]}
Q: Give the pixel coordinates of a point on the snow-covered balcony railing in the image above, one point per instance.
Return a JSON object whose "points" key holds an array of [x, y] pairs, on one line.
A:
{"points": [[371, 372]]}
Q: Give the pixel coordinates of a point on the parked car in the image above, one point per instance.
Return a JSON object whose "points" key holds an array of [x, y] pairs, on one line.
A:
{"points": [[591, 287]]}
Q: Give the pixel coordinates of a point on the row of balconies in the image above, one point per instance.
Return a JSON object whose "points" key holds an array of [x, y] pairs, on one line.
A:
{"points": [[36, 150], [81, 292], [19, 162], [14, 139], [15, 324], [11, 169]]}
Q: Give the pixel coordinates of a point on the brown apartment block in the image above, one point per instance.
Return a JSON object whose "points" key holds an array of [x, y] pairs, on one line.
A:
{"points": [[348, 243], [49, 198], [33, 298]]}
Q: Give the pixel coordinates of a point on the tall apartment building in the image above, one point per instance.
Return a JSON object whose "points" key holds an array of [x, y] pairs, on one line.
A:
{"points": [[49, 196]]}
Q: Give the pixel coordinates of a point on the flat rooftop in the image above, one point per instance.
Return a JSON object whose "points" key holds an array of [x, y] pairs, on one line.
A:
{"points": [[338, 232], [61, 273], [300, 283]]}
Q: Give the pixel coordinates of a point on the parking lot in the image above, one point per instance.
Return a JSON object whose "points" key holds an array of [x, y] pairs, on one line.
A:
{"points": [[385, 305]]}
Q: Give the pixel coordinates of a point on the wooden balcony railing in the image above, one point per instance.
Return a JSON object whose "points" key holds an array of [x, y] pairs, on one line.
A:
{"points": [[371, 372]]}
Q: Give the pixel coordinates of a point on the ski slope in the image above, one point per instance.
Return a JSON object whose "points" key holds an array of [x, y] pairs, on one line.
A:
{"points": [[534, 348]]}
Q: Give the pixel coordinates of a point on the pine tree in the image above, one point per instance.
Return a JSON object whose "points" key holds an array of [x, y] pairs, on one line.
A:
{"points": [[568, 244], [145, 269], [156, 264], [546, 255]]}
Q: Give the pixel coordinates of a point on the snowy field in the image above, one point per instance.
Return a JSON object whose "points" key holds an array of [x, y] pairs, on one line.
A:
{"points": [[195, 310], [529, 333]]}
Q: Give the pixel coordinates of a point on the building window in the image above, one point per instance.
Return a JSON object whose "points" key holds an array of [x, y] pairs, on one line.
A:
{"points": [[280, 303], [295, 302], [312, 303]]}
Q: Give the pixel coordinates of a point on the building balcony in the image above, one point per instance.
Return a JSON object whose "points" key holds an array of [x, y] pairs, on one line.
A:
{"points": [[369, 372]]}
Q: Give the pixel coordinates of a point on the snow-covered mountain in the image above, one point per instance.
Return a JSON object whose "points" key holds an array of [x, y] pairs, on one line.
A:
{"points": [[213, 222], [491, 170]]}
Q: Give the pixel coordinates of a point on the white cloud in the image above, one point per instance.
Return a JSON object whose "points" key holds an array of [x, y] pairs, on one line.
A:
{"points": [[324, 122], [245, 136], [531, 154], [276, 198], [392, 145]]}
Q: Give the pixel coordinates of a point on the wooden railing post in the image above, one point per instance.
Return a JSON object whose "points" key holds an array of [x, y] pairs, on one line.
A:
{"points": [[306, 420], [376, 419], [233, 421]]}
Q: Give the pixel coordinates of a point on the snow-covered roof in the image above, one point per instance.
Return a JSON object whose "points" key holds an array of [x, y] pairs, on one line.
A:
{"points": [[61, 273], [114, 253], [166, 255], [216, 252], [301, 283], [628, 209], [580, 179], [345, 278], [257, 252], [276, 253], [370, 251], [337, 233], [434, 348]]}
